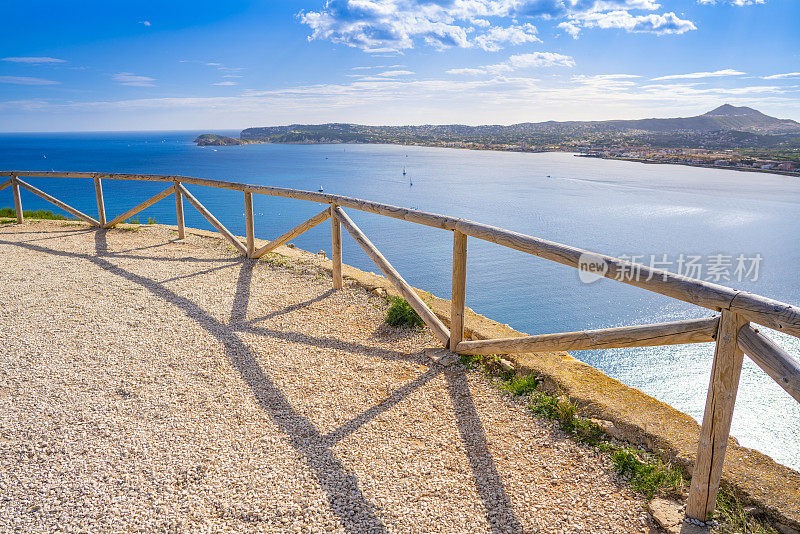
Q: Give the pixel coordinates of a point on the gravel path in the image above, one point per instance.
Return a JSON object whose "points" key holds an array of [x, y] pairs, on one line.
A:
{"points": [[152, 385]]}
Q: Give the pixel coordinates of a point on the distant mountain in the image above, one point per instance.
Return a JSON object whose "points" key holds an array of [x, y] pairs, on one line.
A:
{"points": [[725, 128], [725, 118]]}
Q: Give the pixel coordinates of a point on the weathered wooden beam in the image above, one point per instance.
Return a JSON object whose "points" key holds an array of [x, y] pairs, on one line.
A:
{"points": [[249, 224], [294, 232], [336, 249], [714, 433], [179, 212], [213, 220], [146, 204], [439, 330], [62, 205], [650, 335], [5, 184], [101, 207], [775, 361], [459, 288], [17, 199], [762, 310]]}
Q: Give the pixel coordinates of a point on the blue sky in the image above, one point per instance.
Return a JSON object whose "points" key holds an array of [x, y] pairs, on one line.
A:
{"points": [[229, 65]]}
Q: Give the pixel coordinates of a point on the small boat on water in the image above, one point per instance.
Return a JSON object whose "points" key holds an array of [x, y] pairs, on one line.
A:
{"points": [[320, 189], [404, 171]]}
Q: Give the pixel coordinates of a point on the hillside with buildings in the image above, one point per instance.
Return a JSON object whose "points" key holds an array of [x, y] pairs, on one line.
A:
{"points": [[727, 136]]}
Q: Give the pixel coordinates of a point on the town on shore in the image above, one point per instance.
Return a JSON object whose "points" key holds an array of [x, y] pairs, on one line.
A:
{"points": [[728, 137]]}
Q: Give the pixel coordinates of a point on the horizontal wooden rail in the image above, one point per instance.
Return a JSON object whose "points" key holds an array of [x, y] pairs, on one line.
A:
{"points": [[674, 333], [762, 310], [294, 232], [213, 220], [439, 329], [53, 200], [146, 204], [775, 361]]}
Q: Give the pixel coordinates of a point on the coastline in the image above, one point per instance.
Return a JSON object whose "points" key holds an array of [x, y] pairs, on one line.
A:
{"points": [[688, 164], [581, 153]]}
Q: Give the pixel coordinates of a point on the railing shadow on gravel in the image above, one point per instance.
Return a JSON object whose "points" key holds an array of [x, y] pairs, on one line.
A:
{"points": [[734, 331], [487, 481], [339, 484]]}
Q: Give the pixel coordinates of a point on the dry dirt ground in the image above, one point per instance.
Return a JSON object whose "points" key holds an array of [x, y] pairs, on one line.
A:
{"points": [[154, 385]]}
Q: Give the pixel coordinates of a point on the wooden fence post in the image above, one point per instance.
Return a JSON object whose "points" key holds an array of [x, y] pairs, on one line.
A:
{"points": [[459, 289], [724, 383], [101, 207], [248, 218], [336, 246], [17, 199], [179, 211]]}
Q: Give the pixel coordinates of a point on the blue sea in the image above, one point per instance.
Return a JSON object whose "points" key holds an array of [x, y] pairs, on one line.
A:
{"points": [[666, 213]]}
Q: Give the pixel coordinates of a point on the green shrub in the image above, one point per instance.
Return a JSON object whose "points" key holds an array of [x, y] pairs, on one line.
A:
{"points": [[521, 385], [735, 518], [151, 220], [35, 214], [546, 406], [649, 476], [402, 314]]}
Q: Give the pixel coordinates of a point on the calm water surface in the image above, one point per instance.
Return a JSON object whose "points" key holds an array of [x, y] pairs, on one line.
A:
{"points": [[617, 208]]}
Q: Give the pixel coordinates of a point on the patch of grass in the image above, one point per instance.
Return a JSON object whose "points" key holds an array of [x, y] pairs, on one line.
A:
{"points": [[402, 314], [564, 413], [648, 474], [733, 517], [521, 385], [35, 214], [275, 259], [645, 472], [151, 220], [133, 220]]}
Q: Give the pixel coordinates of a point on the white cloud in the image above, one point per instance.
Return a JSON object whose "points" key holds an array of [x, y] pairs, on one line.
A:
{"points": [[572, 28], [468, 71], [783, 76], [394, 73], [26, 80], [607, 81], [659, 24], [226, 83], [372, 67], [397, 25], [213, 64], [492, 40], [518, 62], [732, 2], [696, 75], [145, 23], [502, 99], [496, 100], [34, 60], [133, 80]]}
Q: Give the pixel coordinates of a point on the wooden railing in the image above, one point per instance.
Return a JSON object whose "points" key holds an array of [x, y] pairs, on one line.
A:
{"points": [[731, 331]]}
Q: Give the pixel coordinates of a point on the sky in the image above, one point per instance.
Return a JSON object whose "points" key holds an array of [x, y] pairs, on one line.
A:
{"points": [[211, 65]]}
